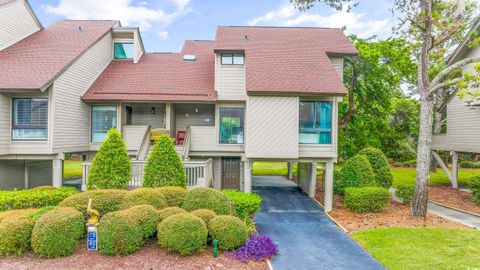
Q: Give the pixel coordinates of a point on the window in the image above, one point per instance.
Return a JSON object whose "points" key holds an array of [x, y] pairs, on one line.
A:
{"points": [[315, 122], [123, 50], [232, 58], [30, 119], [103, 119], [231, 125]]}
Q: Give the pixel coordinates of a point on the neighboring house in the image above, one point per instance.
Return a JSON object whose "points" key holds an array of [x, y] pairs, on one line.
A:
{"points": [[252, 94]]}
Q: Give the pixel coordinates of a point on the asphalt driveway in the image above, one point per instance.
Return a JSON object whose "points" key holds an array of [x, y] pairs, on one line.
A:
{"points": [[307, 239]]}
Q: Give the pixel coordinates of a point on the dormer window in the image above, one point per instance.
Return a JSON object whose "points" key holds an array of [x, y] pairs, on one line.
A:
{"points": [[233, 58], [123, 50]]}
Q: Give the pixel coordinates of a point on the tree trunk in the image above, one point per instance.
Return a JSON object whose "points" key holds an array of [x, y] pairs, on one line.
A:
{"points": [[437, 129], [433, 165]]}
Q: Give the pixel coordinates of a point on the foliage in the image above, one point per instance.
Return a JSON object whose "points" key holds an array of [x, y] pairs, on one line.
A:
{"points": [[366, 199], [208, 198], [174, 195], [474, 186], [205, 214], [380, 166], [164, 167], [43, 188], [256, 248], [356, 172], [246, 204], [405, 193], [33, 198], [145, 196], [56, 232], [170, 211], [183, 233], [469, 164], [230, 232], [119, 233], [146, 217], [104, 201], [111, 165]]}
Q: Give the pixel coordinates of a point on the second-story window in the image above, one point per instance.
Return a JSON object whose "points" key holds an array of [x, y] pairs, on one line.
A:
{"points": [[233, 58], [30, 119], [123, 50], [231, 125], [315, 125], [104, 118]]}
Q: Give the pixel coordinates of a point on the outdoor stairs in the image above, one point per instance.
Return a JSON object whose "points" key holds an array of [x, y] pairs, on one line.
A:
{"points": [[178, 149]]}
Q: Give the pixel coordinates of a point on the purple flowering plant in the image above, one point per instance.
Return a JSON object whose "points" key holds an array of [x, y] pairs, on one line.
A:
{"points": [[256, 248]]}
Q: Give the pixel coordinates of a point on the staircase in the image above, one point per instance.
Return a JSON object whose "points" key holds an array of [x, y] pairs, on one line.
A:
{"points": [[178, 149]]}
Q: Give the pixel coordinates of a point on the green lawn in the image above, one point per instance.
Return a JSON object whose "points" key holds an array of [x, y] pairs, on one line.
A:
{"points": [[271, 168], [407, 175], [422, 248], [72, 168]]}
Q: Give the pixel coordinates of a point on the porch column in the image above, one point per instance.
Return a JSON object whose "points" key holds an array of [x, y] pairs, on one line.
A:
{"points": [[290, 170], [248, 176], [313, 180], [26, 174], [168, 114], [454, 169], [328, 193], [57, 173]]}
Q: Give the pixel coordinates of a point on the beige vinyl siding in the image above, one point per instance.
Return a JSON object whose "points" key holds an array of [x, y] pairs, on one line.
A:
{"points": [[138, 47], [304, 176], [12, 174], [205, 139], [186, 115], [337, 63], [39, 173], [4, 124], [229, 81], [463, 126], [272, 127], [16, 23], [142, 115], [72, 116], [217, 173]]}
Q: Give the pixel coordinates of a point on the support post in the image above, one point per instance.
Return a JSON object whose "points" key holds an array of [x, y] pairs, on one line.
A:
{"points": [[168, 114], [57, 173], [248, 176], [454, 169], [328, 193], [290, 170], [313, 180], [26, 174]]}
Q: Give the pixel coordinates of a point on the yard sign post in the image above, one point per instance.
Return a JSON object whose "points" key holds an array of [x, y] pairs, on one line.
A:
{"points": [[92, 237]]}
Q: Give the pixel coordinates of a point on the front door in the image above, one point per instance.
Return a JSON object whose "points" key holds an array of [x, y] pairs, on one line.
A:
{"points": [[231, 173]]}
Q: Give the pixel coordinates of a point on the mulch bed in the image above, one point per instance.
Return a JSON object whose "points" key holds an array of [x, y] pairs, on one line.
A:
{"points": [[151, 257], [452, 197]]}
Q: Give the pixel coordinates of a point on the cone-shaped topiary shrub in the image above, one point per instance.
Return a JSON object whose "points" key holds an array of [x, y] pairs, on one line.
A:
{"points": [[111, 165], [56, 232], [230, 232], [356, 172], [119, 234], [183, 233], [170, 211], [104, 201], [145, 196], [208, 198], [204, 214], [379, 163], [174, 195], [164, 167]]}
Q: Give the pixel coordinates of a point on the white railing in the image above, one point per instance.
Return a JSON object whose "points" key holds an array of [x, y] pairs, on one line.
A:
{"points": [[199, 173]]}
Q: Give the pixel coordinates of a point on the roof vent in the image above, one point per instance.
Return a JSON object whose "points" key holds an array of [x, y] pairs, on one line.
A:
{"points": [[245, 39], [189, 57]]}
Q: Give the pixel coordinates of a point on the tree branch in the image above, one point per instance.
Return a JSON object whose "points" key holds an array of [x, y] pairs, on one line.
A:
{"points": [[442, 85], [450, 68]]}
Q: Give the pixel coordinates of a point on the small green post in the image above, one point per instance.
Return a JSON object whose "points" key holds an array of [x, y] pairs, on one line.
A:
{"points": [[215, 248]]}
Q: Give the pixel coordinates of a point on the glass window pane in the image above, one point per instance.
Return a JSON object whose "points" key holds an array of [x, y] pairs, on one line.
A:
{"points": [[231, 125], [123, 50], [104, 118], [315, 122], [30, 119], [238, 59], [227, 59]]}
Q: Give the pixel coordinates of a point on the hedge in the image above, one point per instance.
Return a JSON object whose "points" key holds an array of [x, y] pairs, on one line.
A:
{"points": [[119, 234], [357, 172], [470, 164], [205, 214], [33, 198], [56, 233], [147, 218], [230, 232], [174, 195], [208, 198], [379, 163], [474, 186], [246, 204], [366, 199], [145, 196], [170, 211], [104, 201], [183, 233], [405, 192]]}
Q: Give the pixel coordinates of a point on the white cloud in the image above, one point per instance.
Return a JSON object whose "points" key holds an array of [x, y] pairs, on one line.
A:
{"points": [[163, 34], [355, 23]]}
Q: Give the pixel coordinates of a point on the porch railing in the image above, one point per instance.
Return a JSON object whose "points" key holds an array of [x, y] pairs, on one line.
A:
{"points": [[199, 173]]}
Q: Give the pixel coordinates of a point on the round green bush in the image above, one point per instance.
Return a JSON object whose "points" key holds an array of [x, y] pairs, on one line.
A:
{"points": [[183, 233], [174, 195], [208, 198], [379, 163], [230, 232], [145, 196], [356, 172], [146, 216], [474, 186], [56, 232], [16, 213], [15, 234], [169, 211], [104, 201], [119, 234], [205, 214]]}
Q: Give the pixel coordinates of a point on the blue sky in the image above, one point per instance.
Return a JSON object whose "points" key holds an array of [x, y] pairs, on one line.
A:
{"points": [[165, 24]]}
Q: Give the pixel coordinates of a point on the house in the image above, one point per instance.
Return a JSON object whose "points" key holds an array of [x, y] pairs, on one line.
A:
{"points": [[252, 94]]}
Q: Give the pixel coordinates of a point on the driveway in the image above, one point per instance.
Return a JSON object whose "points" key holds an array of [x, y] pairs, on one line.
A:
{"points": [[307, 239]]}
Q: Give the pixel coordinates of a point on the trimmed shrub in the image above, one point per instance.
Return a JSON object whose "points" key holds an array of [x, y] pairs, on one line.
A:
{"points": [[170, 211], [164, 167], [405, 193], [56, 232], [103, 201], [183, 233], [246, 204], [366, 199], [410, 163], [230, 232], [356, 172], [145, 196], [16, 213], [33, 198], [469, 164], [119, 234], [44, 188], [379, 163], [146, 216], [208, 198], [474, 186], [111, 165], [205, 214], [174, 195]]}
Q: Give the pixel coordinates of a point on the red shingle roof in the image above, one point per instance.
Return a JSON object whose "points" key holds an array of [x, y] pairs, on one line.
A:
{"points": [[36, 61], [159, 77], [287, 59]]}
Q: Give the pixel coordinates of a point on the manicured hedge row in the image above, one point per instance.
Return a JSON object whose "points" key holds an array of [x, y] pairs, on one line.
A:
{"points": [[33, 198], [405, 192], [366, 199], [246, 204], [470, 164], [474, 186]]}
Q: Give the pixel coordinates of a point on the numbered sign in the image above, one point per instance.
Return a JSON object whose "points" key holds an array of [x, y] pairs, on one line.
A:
{"points": [[92, 238]]}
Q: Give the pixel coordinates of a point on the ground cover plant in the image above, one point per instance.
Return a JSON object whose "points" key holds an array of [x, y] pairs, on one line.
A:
{"points": [[256, 248]]}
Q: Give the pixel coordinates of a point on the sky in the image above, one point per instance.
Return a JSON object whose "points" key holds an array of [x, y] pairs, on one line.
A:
{"points": [[165, 24]]}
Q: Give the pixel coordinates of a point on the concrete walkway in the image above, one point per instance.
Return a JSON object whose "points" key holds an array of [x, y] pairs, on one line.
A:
{"points": [[307, 239], [458, 216]]}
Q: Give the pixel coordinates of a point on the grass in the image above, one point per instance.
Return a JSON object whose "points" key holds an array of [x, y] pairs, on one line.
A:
{"points": [[271, 168], [422, 248], [407, 176], [72, 168]]}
